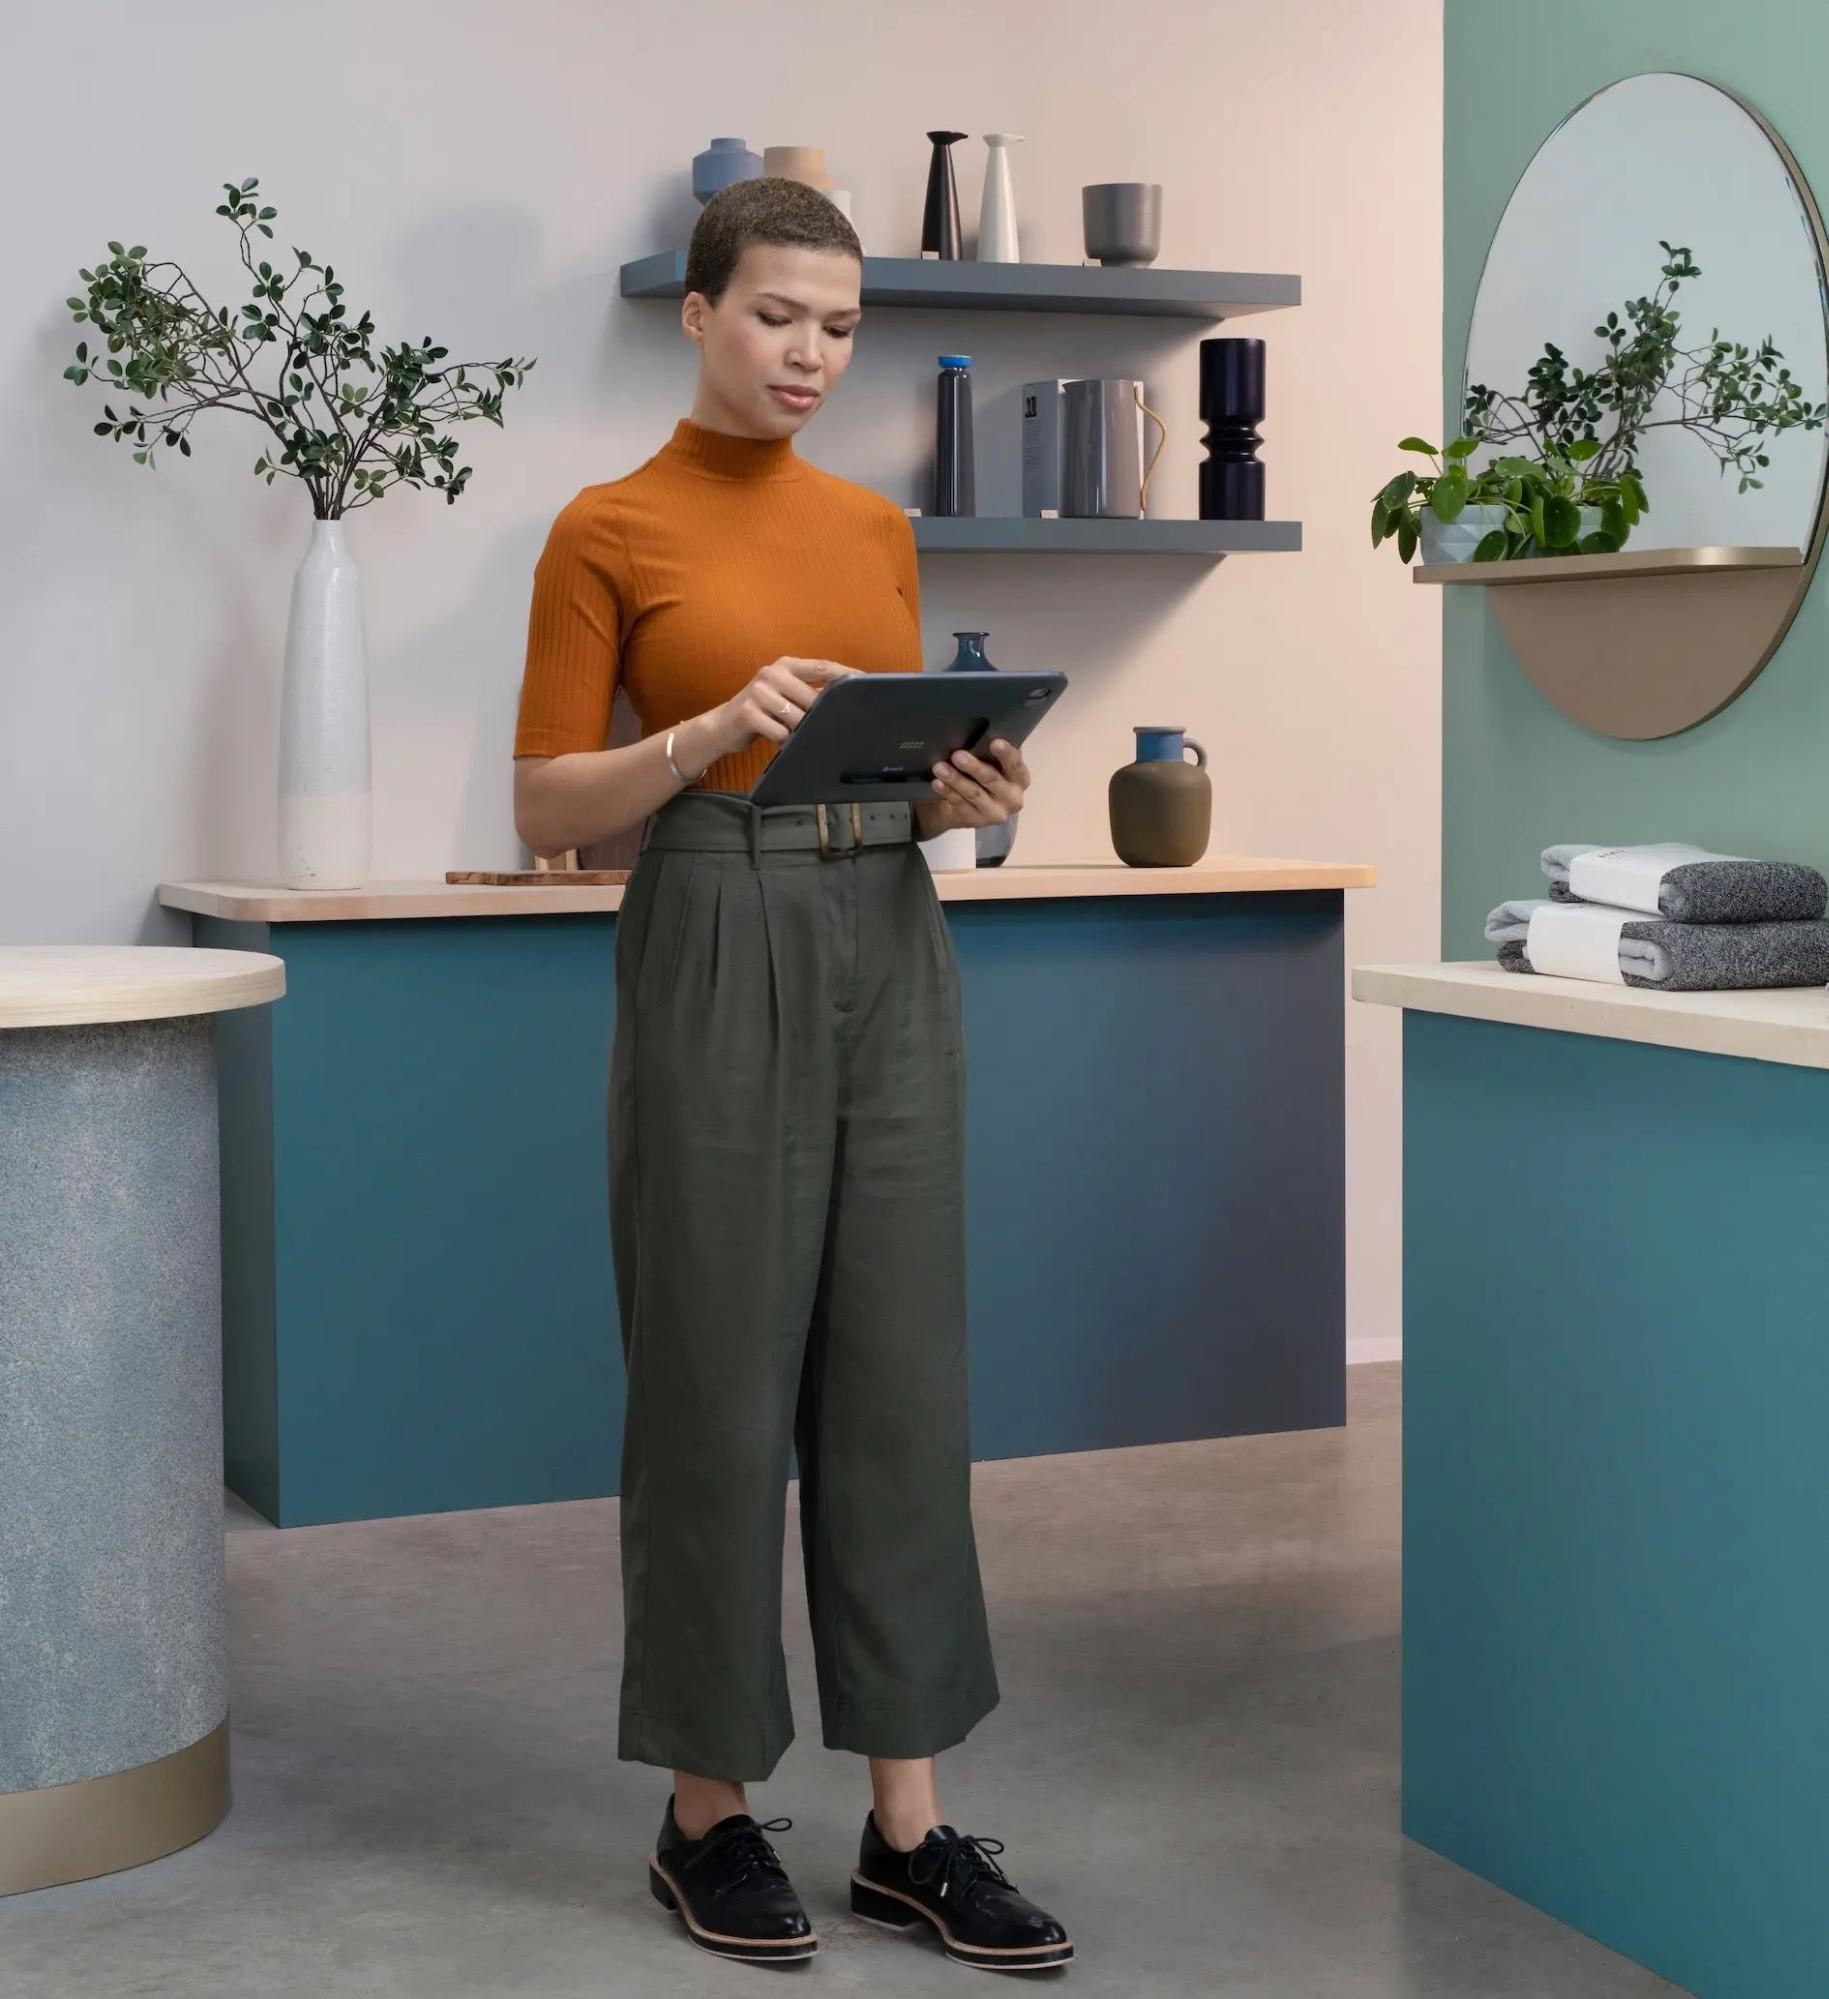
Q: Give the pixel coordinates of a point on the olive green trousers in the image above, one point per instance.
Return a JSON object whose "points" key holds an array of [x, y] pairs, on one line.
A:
{"points": [[786, 1126]]}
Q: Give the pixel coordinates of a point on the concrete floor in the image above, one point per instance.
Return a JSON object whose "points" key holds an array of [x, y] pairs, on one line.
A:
{"points": [[1194, 1763]]}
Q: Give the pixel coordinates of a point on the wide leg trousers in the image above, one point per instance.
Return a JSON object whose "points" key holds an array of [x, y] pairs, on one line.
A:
{"points": [[787, 1221]]}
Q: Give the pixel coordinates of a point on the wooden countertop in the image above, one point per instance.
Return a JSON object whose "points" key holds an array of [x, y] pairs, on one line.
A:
{"points": [[72, 985], [1773, 1024], [1218, 874]]}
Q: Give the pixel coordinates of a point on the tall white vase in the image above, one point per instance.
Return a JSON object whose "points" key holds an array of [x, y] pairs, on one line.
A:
{"points": [[323, 722], [997, 214]]}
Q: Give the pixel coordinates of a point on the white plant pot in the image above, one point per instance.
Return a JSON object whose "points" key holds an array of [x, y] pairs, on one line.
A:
{"points": [[1456, 540], [323, 722]]}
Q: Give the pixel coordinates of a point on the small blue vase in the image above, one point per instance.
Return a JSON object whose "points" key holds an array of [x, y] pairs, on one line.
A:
{"points": [[721, 163], [994, 842]]}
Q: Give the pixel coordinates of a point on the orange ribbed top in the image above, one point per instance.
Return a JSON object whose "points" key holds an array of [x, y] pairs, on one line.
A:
{"points": [[715, 556]]}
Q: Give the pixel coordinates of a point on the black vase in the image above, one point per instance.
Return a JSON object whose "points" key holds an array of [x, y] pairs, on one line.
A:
{"points": [[1231, 407], [940, 223]]}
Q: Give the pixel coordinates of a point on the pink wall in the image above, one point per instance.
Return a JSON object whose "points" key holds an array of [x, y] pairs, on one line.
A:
{"points": [[490, 206]]}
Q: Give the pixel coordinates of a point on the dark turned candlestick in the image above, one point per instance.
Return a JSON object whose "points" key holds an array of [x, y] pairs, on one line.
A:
{"points": [[1231, 407]]}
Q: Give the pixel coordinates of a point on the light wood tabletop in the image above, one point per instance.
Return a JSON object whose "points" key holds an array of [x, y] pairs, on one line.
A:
{"points": [[70, 985]]}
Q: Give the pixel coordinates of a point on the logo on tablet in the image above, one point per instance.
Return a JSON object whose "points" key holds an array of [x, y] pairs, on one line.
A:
{"points": [[913, 743]]}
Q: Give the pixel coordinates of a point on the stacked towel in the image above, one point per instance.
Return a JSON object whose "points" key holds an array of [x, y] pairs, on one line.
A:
{"points": [[1625, 947], [1686, 884]]}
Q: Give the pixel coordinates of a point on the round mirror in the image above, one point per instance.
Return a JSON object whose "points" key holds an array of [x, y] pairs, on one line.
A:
{"points": [[1657, 283]]}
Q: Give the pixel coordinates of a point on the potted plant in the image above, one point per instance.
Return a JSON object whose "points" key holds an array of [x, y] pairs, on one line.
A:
{"points": [[348, 421], [1509, 508], [1446, 509], [1579, 490]]}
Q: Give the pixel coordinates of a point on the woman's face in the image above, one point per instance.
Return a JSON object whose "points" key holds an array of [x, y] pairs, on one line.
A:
{"points": [[785, 322]]}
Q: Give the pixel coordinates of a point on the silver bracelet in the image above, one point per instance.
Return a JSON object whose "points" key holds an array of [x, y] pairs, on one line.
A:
{"points": [[671, 765]]}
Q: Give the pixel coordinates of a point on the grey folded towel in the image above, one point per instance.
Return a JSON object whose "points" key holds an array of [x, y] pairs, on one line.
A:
{"points": [[1721, 890], [1666, 956]]}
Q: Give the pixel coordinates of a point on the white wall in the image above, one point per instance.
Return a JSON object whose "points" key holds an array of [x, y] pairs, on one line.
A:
{"points": [[479, 176]]}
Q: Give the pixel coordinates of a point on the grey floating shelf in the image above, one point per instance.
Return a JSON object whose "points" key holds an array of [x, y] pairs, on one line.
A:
{"points": [[995, 533], [963, 283]]}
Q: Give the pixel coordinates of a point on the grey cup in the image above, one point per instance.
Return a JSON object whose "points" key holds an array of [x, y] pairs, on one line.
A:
{"points": [[1123, 220]]}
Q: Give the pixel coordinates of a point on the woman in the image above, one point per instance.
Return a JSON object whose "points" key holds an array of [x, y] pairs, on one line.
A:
{"points": [[786, 1116]]}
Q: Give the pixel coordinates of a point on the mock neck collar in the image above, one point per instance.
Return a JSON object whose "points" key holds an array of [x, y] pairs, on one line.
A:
{"points": [[721, 454]]}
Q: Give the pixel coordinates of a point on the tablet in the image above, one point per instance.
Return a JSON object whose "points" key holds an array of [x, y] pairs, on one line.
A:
{"points": [[879, 735]]}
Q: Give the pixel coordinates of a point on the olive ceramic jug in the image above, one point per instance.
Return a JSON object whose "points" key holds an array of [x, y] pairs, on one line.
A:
{"points": [[1161, 805]]}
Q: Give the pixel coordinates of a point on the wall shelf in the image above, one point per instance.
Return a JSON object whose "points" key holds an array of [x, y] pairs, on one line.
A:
{"points": [[963, 283], [1083, 535], [1596, 568]]}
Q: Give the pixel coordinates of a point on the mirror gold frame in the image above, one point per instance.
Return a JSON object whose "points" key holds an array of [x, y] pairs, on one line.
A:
{"points": [[1640, 655]]}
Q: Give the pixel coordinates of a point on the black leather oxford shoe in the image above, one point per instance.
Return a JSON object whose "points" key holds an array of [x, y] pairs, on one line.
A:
{"points": [[731, 1889], [951, 1881]]}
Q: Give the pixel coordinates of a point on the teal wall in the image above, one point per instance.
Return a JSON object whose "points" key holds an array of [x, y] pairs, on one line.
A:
{"points": [[1517, 774]]}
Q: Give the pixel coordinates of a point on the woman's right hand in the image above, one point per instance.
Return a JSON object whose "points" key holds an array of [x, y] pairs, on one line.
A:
{"points": [[775, 699]]}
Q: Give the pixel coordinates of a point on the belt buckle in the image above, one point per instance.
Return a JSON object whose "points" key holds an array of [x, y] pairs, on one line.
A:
{"points": [[826, 849]]}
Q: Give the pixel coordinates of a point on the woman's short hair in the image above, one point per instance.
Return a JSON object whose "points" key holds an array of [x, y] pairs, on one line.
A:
{"points": [[768, 209]]}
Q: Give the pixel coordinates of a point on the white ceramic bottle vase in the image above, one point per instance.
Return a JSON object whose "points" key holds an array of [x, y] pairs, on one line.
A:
{"points": [[323, 722], [997, 214]]}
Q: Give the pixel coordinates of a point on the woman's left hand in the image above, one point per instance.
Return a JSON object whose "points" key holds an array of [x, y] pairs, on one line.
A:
{"points": [[972, 792]]}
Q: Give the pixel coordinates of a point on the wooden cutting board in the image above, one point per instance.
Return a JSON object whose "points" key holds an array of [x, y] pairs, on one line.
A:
{"points": [[541, 877]]}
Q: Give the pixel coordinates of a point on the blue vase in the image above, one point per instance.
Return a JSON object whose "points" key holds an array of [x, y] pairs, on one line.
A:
{"points": [[994, 842], [720, 164]]}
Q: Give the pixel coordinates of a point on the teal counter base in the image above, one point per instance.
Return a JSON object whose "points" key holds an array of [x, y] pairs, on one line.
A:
{"points": [[1616, 1500], [419, 1306]]}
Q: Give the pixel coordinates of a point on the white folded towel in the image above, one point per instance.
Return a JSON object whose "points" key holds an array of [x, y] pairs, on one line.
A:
{"points": [[1686, 884]]}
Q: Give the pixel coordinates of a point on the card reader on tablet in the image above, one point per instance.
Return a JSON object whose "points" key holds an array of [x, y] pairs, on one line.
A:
{"points": [[878, 735]]}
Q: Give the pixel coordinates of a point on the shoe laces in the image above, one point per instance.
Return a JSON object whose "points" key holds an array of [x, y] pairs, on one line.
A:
{"points": [[746, 1847], [959, 1860]]}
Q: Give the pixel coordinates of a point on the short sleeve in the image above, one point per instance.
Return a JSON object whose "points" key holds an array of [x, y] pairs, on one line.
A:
{"points": [[574, 633]]}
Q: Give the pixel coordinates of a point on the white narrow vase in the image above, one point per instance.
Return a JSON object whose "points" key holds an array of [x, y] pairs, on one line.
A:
{"points": [[323, 722], [997, 213]]}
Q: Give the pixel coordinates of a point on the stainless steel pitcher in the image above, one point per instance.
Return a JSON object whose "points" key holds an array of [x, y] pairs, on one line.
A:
{"points": [[1102, 469]]}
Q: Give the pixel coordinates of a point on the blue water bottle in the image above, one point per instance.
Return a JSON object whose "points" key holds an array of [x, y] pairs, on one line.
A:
{"points": [[955, 486]]}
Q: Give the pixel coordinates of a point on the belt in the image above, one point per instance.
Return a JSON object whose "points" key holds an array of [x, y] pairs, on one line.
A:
{"points": [[728, 820]]}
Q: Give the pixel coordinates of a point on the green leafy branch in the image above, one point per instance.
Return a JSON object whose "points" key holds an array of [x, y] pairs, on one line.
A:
{"points": [[1731, 396], [348, 420]]}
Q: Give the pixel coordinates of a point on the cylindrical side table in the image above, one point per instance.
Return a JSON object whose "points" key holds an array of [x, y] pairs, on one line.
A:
{"points": [[114, 1727]]}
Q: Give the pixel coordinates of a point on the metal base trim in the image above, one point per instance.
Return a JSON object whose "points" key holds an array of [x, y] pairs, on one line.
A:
{"points": [[98, 1825]]}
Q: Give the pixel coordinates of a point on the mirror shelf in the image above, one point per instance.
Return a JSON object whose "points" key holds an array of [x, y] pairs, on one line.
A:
{"points": [[1598, 568]]}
